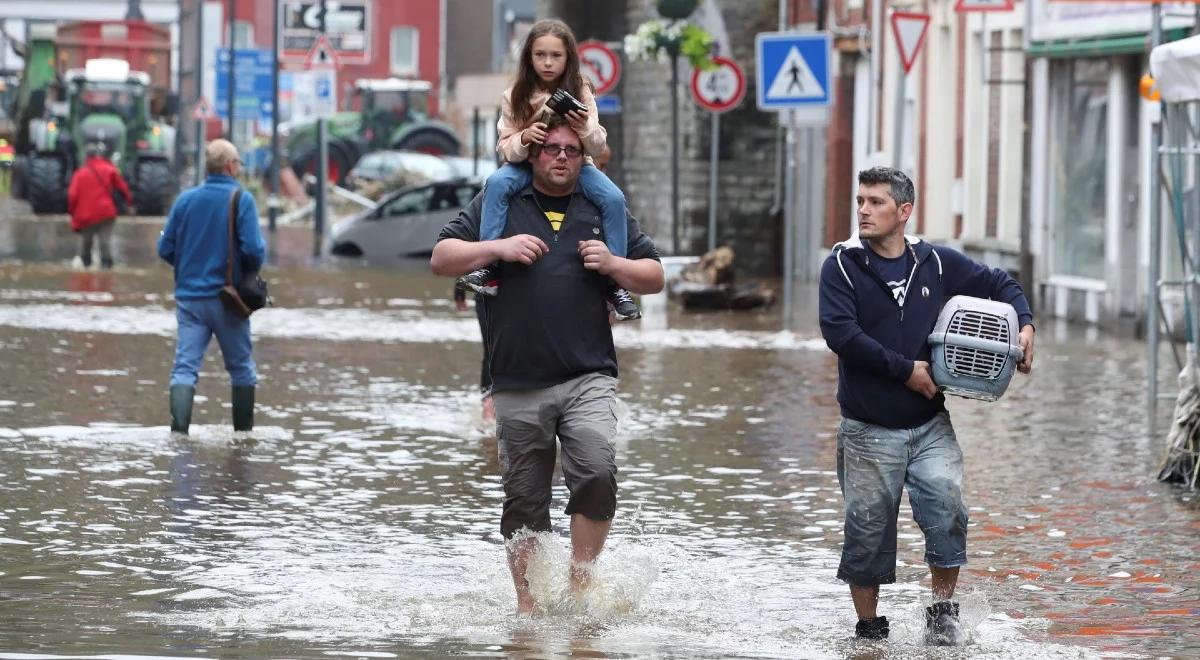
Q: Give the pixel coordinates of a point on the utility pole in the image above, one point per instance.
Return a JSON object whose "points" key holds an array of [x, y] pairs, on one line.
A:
{"points": [[322, 165], [200, 123], [273, 200], [229, 87]]}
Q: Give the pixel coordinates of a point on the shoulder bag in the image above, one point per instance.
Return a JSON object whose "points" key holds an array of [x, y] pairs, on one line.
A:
{"points": [[250, 294]]}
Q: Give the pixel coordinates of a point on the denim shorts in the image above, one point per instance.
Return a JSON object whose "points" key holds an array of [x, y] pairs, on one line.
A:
{"points": [[581, 414], [874, 464]]}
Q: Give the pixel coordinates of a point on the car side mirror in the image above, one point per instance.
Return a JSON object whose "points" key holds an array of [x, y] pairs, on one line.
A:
{"points": [[171, 107]]}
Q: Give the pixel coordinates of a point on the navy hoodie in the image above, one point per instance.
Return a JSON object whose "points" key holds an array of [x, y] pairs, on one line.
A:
{"points": [[876, 339]]}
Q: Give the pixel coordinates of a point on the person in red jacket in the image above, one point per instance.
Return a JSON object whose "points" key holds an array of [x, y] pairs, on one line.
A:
{"points": [[91, 203]]}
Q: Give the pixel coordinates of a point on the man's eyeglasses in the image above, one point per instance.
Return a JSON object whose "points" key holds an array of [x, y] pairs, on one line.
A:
{"points": [[553, 150]]}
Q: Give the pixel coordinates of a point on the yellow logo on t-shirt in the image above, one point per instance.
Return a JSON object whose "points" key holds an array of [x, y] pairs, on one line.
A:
{"points": [[555, 218]]}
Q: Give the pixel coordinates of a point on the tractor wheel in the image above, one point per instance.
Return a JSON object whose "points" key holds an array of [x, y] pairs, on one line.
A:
{"points": [[340, 162], [16, 186], [430, 141], [45, 185], [153, 187]]}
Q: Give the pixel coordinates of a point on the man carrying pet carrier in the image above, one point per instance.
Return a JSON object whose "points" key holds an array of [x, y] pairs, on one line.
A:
{"points": [[880, 296]]}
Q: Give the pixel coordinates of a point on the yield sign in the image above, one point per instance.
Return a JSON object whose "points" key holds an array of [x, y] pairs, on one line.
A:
{"points": [[984, 5], [202, 110], [322, 55], [909, 29]]}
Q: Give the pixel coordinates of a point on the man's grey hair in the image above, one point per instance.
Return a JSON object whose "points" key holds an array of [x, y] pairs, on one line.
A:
{"points": [[218, 155], [900, 186]]}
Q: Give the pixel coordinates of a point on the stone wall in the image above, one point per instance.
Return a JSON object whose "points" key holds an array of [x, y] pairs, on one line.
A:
{"points": [[641, 137]]}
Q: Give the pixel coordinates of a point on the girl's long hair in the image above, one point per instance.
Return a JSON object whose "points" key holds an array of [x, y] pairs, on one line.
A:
{"points": [[526, 79]]}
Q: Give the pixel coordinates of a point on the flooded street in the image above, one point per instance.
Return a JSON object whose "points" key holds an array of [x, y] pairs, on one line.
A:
{"points": [[361, 519]]}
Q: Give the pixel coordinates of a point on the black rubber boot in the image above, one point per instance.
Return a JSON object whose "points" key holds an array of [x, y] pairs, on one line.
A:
{"points": [[243, 407], [181, 407], [873, 629]]}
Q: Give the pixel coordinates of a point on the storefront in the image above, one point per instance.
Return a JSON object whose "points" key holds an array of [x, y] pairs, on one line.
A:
{"points": [[1089, 158]]}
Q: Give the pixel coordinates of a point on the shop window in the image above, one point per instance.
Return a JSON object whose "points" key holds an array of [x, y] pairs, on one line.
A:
{"points": [[1078, 163]]}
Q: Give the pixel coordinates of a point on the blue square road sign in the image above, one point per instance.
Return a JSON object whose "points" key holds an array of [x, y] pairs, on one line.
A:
{"points": [[793, 70]]}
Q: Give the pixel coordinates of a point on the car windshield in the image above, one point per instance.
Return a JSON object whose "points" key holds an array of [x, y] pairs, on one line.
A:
{"points": [[109, 98]]}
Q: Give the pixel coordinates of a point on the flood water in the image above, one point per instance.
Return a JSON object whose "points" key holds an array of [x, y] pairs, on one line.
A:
{"points": [[361, 518]]}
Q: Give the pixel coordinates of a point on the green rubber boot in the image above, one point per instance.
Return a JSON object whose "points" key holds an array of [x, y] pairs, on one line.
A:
{"points": [[243, 407], [181, 407]]}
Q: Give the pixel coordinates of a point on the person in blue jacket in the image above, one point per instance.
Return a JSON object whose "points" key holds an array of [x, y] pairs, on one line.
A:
{"points": [[880, 296], [196, 241]]}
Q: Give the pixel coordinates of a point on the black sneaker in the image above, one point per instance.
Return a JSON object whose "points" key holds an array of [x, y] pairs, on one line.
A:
{"points": [[624, 306], [483, 281], [874, 629], [942, 627]]}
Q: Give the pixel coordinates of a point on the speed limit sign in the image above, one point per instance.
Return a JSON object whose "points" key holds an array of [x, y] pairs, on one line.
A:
{"points": [[721, 88]]}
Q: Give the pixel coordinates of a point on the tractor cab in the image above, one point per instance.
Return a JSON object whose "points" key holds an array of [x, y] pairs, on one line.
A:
{"points": [[107, 103], [389, 103]]}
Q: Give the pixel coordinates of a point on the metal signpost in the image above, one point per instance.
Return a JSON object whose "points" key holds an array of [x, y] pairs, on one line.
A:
{"points": [[793, 76], [201, 113], [322, 64], [909, 29], [717, 90]]}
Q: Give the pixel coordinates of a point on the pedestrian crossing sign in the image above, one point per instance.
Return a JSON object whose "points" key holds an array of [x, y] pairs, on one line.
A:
{"points": [[793, 70]]}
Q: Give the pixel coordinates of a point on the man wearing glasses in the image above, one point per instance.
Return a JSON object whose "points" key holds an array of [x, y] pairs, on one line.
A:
{"points": [[553, 365], [195, 241]]}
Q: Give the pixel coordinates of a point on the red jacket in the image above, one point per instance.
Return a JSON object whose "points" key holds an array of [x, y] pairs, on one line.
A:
{"points": [[90, 196]]}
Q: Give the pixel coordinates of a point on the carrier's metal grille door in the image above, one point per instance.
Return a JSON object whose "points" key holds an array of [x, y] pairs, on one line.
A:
{"points": [[963, 361]]}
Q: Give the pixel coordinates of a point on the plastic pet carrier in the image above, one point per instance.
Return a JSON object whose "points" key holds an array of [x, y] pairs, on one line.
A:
{"points": [[975, 348]]}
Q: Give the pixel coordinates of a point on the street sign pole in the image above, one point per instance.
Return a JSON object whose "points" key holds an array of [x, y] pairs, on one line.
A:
{"points": [[675, 154], [717, 90], [789, 223], [898, 134], [794, 77], [713, 168], [322, 165], [273, 200], [232, 61], [200, 134]]}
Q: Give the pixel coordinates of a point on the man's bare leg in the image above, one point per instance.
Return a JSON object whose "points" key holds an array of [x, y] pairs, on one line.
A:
{"points": [[518, 563], [587, 540], [944, 580], [866, 601]]}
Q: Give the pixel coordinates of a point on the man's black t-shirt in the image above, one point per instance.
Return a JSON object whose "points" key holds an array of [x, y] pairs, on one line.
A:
{"points": [[549, 321], [894, 272], [554, 208]]}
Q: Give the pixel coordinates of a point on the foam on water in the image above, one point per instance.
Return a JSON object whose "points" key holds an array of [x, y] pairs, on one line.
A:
{"points": [[341, 324]]}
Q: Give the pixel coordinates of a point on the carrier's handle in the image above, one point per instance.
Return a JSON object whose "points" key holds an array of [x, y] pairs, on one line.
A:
{"points": [[967, 341]]}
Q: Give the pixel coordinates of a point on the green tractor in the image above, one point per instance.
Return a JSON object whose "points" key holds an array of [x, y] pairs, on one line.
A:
{"points": [[393, 115], [102, 103]]}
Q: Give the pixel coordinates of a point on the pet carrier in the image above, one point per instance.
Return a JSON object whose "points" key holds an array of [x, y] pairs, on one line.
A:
{"points": [[975, 348]]}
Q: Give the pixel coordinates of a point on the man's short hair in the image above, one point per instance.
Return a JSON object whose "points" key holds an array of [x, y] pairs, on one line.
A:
{"points": [[900, 186], [218, 155], [556, 120]]}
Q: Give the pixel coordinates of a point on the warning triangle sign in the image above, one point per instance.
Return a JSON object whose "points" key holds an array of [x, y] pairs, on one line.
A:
{"points": [[909, 29], [795, 80], [322, 55], [202, 110]]}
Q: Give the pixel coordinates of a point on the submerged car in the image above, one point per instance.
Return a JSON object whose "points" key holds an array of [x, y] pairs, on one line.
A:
{"points": [[405, 167], [405, 224]]}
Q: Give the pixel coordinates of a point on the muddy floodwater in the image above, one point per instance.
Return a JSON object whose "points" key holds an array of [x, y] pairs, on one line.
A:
{"points": [[361, 518]]}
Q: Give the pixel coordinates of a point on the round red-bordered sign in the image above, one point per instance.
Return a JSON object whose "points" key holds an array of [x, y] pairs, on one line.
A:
{"points": [[719, 89], [600, 64]]}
